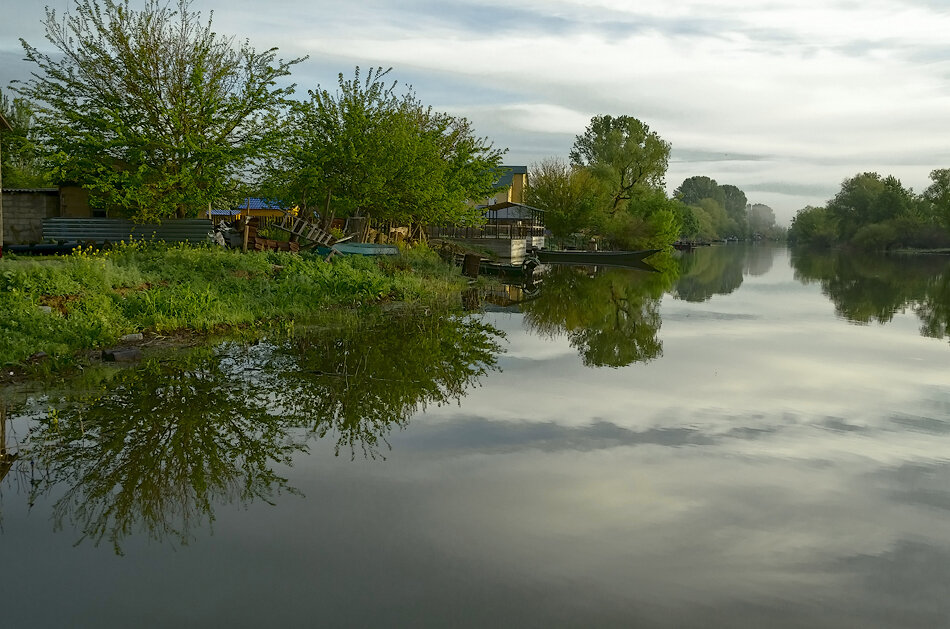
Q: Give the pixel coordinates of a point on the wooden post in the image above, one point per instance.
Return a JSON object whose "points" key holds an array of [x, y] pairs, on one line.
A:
{"points": [[4, 126], [247, 228], [470, 265]]}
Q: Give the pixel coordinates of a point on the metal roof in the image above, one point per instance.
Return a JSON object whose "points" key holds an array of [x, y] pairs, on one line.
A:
{"points": [[506, 210], [255, 203], [508, 175]]}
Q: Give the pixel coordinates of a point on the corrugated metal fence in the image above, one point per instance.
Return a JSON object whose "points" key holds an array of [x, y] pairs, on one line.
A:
{"points": [[108, 230]]}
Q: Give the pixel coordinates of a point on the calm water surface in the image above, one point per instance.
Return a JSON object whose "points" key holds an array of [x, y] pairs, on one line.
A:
{"points": [[749, 438]]}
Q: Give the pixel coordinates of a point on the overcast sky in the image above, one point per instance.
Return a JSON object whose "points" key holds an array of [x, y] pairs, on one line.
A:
{"points": [[782, 98]]}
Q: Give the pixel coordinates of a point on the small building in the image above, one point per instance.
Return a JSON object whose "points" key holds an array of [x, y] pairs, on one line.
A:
{"points": [[510, 187], [25, 209], [254, 207]]}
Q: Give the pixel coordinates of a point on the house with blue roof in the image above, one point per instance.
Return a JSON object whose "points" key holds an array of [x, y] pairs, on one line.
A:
{"points": [[253, 207], [510, 186]]}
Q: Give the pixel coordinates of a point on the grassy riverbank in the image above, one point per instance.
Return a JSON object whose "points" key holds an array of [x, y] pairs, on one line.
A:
{"points": [[63, 305]]}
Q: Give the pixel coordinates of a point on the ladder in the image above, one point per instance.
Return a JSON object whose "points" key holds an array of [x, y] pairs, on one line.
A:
{"points": [[305, 229]]}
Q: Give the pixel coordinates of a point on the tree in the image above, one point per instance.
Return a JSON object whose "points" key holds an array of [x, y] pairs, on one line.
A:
{"points": [[568, 195], [937, 195], [369, 150], [151, 108], [624, 154], [20, 161], [695, 189], [735, 202], [761, 218], [689, 222], [813, 226]]}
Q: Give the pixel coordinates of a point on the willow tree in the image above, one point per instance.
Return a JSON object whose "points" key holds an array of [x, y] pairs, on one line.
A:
{"points": [[151, 109]]}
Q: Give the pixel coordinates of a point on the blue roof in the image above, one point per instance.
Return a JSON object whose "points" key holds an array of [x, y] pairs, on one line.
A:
{"points": [[255, 203], [225, 212]]}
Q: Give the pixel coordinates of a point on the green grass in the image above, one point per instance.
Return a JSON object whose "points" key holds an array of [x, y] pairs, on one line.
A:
{"points": [[95, 297]]}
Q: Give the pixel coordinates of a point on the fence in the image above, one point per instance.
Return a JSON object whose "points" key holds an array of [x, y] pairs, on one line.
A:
{"points": [[507, 231], [107, 230]]}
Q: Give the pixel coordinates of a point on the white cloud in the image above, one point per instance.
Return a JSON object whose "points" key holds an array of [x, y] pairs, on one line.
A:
{"points": [[823, 89]]}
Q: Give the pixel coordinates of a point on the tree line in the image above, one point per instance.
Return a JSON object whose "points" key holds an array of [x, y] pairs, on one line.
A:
{"points": [[612, 187], [159, 116], [878, 213]]}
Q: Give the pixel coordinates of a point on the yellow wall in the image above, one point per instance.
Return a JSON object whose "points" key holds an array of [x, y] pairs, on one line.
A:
{"points": [[516, 193]]}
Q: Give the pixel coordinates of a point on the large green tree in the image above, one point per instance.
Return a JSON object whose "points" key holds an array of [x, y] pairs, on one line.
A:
{"points": [[371, 149], [695, 189], [868, 198], [624, 154], [151, 109]]}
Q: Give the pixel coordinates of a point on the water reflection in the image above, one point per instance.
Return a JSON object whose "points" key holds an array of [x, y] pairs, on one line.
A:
{"points": [[611, 317], [869, 288], [709, 271], [154, 449]]}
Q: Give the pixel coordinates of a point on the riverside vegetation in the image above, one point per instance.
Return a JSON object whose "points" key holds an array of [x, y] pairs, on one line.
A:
{"points": [[57, 307]]}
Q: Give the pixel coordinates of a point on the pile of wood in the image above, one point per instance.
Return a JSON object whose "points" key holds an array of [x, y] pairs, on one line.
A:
{"points": [[266, 244], [258, 243]]}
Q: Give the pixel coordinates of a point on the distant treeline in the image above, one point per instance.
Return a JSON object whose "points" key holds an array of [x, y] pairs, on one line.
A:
{"points": [[878, 213]]}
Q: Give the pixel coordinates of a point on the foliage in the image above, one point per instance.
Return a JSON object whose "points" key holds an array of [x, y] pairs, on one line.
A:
{"points": [[151, 109], [722, 210], [97, 296], [813, 226], [689, 222], [736, 206], [868, 198], [650, 220], [624, 154], [878, 213], [937, 195], [761, 218], [368, 150], [569, 195], [19, 155], [695, 189]]}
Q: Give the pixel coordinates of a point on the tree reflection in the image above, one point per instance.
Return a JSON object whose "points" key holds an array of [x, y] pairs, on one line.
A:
{"points": [[709, 271], [370, 377], [869, 288], [611, 317], [154, 449]]}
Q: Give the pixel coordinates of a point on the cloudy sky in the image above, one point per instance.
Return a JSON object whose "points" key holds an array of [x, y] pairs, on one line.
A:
{"points": [[782, 98]]}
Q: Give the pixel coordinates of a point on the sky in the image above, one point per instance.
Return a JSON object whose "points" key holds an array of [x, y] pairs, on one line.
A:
{"points": [[782, 98]]}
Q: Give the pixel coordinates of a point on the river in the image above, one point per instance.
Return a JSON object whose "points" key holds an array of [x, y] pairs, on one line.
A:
{"points": [[751, 437]]}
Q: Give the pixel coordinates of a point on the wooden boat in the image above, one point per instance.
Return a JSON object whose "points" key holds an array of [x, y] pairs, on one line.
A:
{"points": [[525, 270], [597, 258]]}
